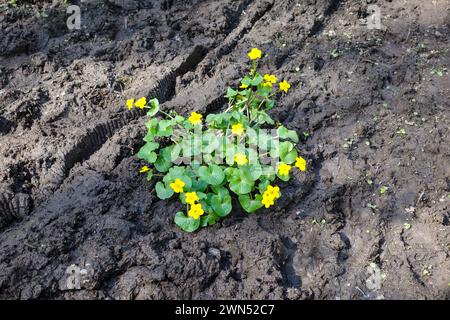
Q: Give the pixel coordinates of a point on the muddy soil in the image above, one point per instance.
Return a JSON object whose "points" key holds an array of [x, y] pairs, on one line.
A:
{"points": [[372, 106]]}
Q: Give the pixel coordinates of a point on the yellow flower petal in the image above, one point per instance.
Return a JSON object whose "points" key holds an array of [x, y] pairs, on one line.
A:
{"points": [[237, 129], [177, 185], [300, 163], [196, 211], [191, 197], [270, 78], [255, 53], [240, 159], [141, 103], [144, 169], [130, 103], [284, 86], [195, 118], [283, 169]]}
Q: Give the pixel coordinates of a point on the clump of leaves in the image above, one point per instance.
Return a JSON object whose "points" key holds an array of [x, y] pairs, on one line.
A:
{"points": [[239, 152]]}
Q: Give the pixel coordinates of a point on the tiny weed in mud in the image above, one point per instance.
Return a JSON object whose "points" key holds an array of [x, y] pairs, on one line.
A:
{"points": [[41, 14], [406, 226], [439, 71], [320, 223], [334, 53], [423, 46], [401, 131], [371, 206], [306, 134], [240, 152], [369, 182], [383, 189], [385, 105]]}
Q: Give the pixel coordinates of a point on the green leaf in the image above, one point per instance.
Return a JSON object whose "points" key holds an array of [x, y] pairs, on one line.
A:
{"points": [[287, 152], [251, 172], [284, 133], [221, 204], [213, 174], [208, 220], [149, 175], [164, 128], [149, 137], [262, 186], [239, 184], [162, 191], [249, 204], [246, 80], [209, 142], [231, 92], [262, 117], [162, 164], [285, 177], [154, 107], [146, 152], [256, 80], [187, 224]]}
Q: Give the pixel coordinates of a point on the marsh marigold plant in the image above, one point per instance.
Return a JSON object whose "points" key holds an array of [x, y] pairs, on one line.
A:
{"points": [[205, 161]]}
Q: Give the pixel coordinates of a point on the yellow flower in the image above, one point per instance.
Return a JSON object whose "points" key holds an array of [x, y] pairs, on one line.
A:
{"points": [[195, 118], [283, 169], [284, 86], [237, 129], [273, 191], [267, 201], [130, 103], [244, 86], [141, 103], [144, 169], [267, 84], [191, 197], [240, 159], [196, 211], [270, 78], [177, 185], [255, 53], [300, 163]]}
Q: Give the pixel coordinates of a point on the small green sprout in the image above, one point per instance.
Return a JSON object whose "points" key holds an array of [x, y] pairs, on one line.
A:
{"points": [[371, 206], [401, 131], [383, 189], [439, 71], [334, 53]]}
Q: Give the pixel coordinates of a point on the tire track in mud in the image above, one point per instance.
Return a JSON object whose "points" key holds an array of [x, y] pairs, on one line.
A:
{"points": [[243, 28], [14, 207], [95, 137]]}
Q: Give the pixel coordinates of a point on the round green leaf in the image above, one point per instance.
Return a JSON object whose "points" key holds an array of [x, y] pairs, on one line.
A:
{"points": [[290, 157], [146, 152], [164, 128], [239, 184], [284, 133], [162, 192], [154, 107], [187, 224], [249, 204], [221, 204], [213, 174]]}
